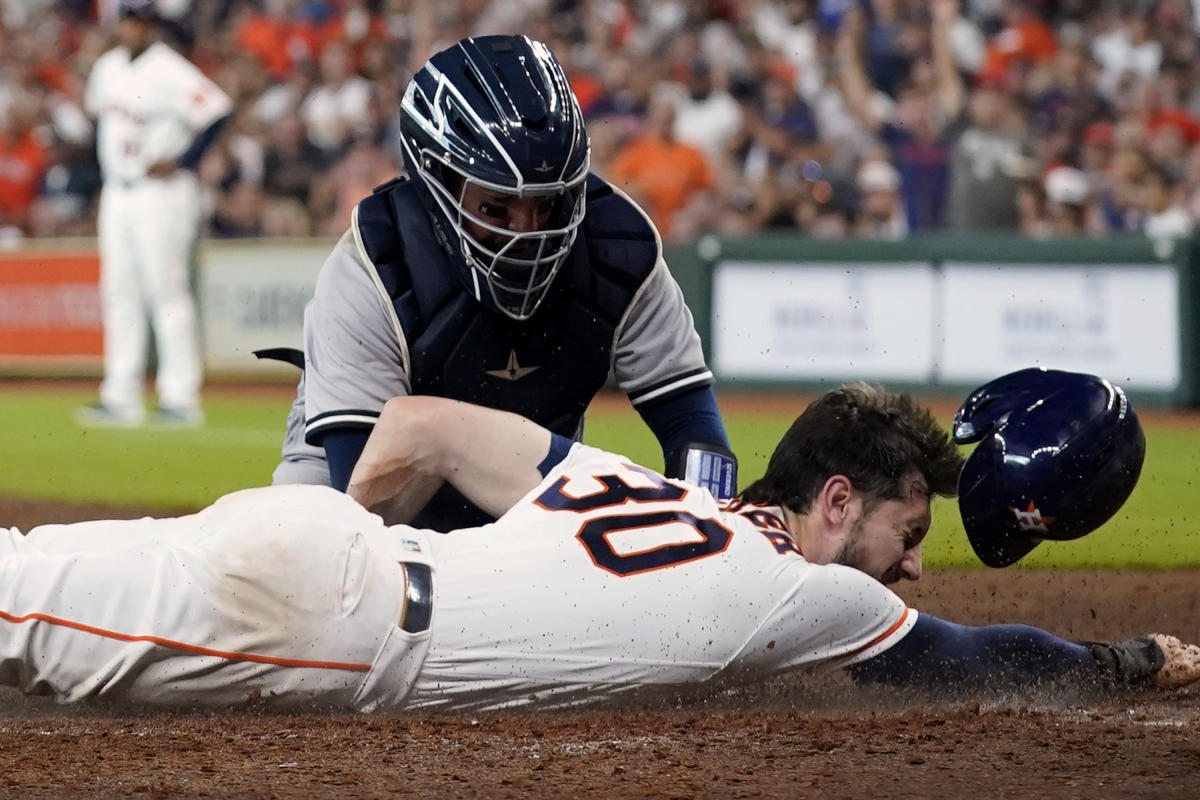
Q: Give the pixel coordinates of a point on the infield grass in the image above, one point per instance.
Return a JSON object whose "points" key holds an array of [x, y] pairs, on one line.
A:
{"points": [[46, 455]]}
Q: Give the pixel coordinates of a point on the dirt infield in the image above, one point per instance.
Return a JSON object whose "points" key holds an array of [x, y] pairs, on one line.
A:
{"points": [[792, 738]]}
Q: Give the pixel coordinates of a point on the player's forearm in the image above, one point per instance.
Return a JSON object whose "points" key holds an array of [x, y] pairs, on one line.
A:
{"points": [[391, 476], [490, 456], [942, 655]]}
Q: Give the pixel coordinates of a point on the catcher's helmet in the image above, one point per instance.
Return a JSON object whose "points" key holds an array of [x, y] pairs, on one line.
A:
{"points": [[1058, 453], [497, 112]]}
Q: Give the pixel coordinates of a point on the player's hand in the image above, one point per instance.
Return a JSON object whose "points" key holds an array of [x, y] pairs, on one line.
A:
{"points": [[162, 169], [1182, 662]]}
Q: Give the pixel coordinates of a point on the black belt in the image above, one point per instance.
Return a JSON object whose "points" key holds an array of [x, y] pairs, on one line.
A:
{"points": [[418, 597]]}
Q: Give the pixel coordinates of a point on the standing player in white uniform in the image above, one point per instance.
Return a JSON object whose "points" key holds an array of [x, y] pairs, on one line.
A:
{"points": [[598, 578], [156, 113]]}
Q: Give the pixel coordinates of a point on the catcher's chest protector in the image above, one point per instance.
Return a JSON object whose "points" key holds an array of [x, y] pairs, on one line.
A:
{"points": [[546, 368]]}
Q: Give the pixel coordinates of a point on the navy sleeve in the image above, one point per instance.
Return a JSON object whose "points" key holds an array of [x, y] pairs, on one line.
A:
{"points": [[191, 158], [685, 418], [559, 447], [343, 446], [941, 655]]}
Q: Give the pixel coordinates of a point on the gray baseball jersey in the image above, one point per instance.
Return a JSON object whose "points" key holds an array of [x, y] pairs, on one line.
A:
{"points": [[357, 355]]}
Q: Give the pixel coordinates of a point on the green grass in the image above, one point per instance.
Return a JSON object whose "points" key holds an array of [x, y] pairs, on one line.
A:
{"points": [[46, 455]]}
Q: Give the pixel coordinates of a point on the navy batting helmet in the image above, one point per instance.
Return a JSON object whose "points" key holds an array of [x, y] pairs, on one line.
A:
{"points": [[498, 112], [1058, 453]]}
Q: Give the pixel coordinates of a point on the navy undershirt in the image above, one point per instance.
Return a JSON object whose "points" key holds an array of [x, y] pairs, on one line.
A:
{"points": [[687, 418], [939, 654]]}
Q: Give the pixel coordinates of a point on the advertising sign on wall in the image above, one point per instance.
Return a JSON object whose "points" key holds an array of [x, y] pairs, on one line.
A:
{"points": [[1121, 322], [823, 321], [50, 306], [253, 297]]}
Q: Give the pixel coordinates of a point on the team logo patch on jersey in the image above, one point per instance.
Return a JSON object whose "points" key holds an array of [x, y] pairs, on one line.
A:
{"points": [[513, 371], [1031, 519]]}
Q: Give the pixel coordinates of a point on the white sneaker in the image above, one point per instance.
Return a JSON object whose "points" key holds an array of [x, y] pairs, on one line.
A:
{"points": [[99, 415]]}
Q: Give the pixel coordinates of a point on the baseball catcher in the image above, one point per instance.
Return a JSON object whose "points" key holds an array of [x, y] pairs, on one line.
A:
{"points": [[500, 272]]}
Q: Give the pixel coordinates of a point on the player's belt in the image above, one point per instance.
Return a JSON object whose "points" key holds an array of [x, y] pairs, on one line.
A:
{"points": [[418, 597]]}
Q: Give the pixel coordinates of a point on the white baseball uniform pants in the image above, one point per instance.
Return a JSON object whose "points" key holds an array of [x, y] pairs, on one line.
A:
{"points": [[147, 233], [291, 596]]}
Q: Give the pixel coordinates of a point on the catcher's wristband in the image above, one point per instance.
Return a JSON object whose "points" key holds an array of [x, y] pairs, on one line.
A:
{"points": [[1131, 664], [709, 466]]}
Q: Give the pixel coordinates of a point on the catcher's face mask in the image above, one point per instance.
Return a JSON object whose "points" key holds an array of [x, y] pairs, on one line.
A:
{"points": [[492, 131]]}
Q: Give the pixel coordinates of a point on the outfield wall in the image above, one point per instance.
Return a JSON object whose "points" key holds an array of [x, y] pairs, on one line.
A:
{"points": [[775, 311]]}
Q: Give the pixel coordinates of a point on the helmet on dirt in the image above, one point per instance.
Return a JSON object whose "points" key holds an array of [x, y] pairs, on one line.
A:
{"points": [[497, 112], [1058, 453]]}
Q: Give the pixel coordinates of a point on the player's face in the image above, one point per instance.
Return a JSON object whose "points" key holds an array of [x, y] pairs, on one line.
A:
{"points": [[134, 33], [516, 214], [885, 542]]}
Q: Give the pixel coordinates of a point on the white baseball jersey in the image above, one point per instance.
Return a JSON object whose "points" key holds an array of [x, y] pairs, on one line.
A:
{"points": [[606, 577], [149, 109]]}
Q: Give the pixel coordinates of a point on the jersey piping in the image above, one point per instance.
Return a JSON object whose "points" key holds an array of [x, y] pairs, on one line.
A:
{"points": [[895, 632], [187, 648], [373, 274], [701, 376], [659, 264], [340, 419]]}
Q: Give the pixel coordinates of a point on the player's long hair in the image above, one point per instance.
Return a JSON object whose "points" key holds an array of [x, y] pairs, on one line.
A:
{"points": [[876, 438]]}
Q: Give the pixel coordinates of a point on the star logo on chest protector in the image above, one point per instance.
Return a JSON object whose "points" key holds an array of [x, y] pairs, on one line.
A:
{"points": [[513, 371]]}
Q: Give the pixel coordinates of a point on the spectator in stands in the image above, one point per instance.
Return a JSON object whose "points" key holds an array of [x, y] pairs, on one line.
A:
{"points": [[880, 206], [292, 165], [780, 88], [23, 161], [1164, 216], [989, 155], [912, 127], [1067, 195], [667, 177], [339, 108], [707, 116], [1127, 49], [276, 34]]}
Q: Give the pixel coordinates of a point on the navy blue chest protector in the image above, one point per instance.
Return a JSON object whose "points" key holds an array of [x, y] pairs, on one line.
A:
{"points": [[547, 368]]}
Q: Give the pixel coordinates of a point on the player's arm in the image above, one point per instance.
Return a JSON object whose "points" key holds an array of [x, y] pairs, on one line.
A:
{"points": [[355, 359], [940, 655], [855, 83], [493, 457], [203, 107], [660, 364], [951, 94], [191, 157], [695, 447]]}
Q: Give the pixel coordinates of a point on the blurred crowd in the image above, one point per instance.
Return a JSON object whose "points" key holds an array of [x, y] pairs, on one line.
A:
{"points": [[835, 118]]}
